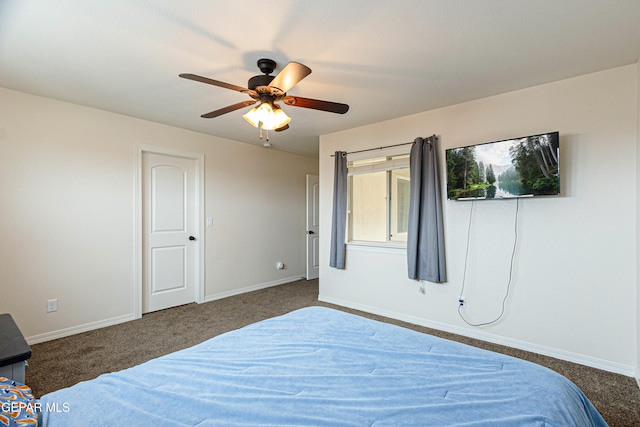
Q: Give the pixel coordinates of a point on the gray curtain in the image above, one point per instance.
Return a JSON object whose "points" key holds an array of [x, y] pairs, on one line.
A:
{"points": [[425, 239], [339, 219]]}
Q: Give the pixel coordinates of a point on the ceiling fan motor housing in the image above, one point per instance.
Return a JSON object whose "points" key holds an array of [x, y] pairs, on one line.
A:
{"points": [[256, 81]]}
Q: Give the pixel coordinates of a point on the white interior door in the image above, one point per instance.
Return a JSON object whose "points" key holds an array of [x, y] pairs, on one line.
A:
{"points": [[170, 244], [313, 227]]}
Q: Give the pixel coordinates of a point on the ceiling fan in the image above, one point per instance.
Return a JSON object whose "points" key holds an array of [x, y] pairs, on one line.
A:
{"points": [[268, 90]]}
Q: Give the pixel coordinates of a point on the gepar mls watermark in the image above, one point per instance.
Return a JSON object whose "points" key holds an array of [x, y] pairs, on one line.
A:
{"points": [[34, 406]]}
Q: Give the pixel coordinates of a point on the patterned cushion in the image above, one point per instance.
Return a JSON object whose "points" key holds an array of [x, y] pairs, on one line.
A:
{"points": [[17, 405]]}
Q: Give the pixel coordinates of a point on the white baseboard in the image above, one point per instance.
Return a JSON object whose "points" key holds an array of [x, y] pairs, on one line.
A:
{"points": [[251, 288], [61, 333], [593, 362]]}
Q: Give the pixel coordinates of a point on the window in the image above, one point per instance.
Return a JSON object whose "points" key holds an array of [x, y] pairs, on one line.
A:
{"points": [[379, 200]]}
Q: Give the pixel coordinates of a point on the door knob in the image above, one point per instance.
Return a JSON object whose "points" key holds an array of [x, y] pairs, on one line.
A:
{"points": [[310, 232], [192, 238]]}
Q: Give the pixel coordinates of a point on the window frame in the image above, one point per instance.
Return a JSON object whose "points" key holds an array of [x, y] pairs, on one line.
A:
{"points": [[370, 167], [393, 205]]}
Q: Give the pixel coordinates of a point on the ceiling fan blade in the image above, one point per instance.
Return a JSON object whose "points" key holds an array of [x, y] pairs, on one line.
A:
{"points": [[213, 82], [280, 129], [290, 75], [316, 104], [228, 109]]}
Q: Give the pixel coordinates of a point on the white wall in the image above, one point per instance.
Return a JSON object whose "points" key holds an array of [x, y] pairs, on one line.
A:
{"points": [[573, 294], [67, 212]]}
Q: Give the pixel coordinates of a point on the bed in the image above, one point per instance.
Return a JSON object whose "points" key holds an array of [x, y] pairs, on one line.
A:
{"points": [[322, 367]]}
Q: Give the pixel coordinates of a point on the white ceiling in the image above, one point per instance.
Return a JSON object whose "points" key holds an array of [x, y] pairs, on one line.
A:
{"points": [[385, 58]]}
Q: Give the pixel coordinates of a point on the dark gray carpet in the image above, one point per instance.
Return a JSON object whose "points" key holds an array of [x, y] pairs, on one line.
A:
{"points": [[63, 362]]}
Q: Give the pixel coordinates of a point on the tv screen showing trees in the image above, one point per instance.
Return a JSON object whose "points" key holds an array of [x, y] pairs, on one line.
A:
{"points": [[519, 167]]}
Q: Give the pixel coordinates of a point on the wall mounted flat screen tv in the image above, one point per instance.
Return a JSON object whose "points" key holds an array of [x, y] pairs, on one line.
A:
{"points": [[520, 167]]}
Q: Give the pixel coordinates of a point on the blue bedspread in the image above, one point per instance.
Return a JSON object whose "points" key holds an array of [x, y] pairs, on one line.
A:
{"points": [[322, 367]]}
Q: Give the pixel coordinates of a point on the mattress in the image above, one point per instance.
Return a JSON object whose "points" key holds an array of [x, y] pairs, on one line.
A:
{"points": [[323, 367]]}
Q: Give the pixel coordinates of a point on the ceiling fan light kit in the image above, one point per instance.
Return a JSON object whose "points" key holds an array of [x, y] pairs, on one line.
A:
{"points": [[267, 90], [267, 116]]}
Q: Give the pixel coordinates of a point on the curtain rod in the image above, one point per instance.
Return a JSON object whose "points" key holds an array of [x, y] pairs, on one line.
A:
{"points": [[380, 148]]}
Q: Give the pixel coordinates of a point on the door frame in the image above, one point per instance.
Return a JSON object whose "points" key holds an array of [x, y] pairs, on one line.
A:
{"points": [[139, 231], [308, 226]]}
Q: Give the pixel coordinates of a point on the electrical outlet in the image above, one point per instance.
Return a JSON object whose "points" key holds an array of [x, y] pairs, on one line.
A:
{"points": [[462, 302], [52, 305], [422, 290]]}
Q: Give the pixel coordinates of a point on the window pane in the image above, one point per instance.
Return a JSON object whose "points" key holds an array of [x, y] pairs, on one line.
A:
{"points": [[400, 188], [369, 207]]}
